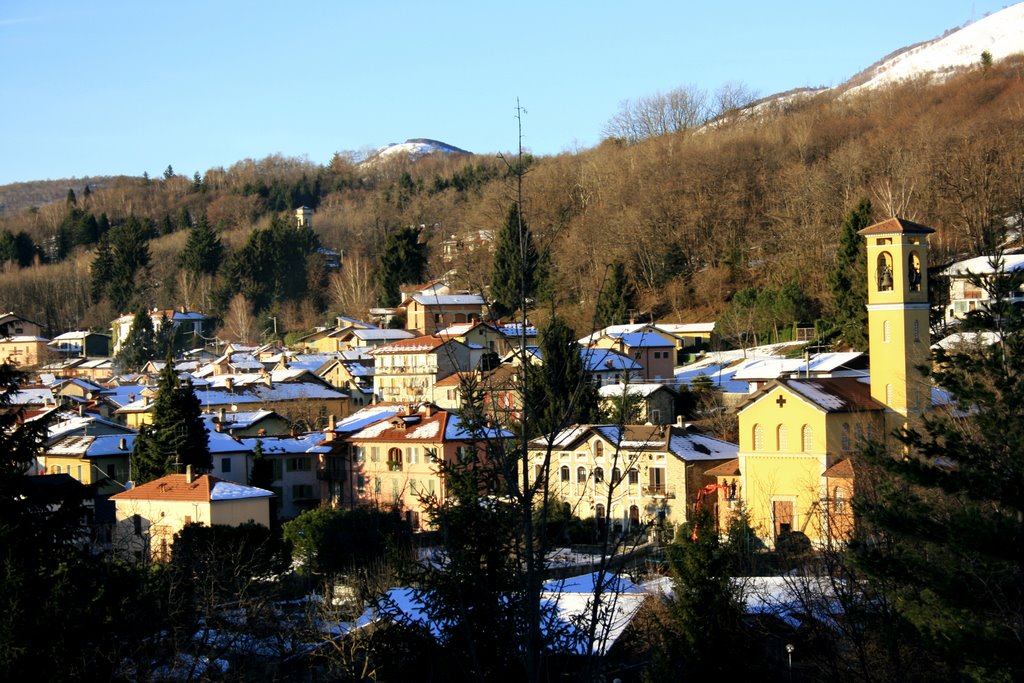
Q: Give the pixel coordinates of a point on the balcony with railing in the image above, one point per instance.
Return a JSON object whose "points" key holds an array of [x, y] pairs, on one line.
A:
{"points": [[659, 490]]}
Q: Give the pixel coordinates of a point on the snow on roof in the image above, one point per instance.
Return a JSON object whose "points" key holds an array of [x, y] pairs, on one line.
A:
{"points": [[428, 430], [229, 490], [967, 339], [367, 416], [603, 360], [71, 422], [22, 339], [378, 334], [448, 299], [93, 446], [643, 389], [29, 396], [277, 445], [982, 265], [691, 446], [455, 430], [645, 339]]}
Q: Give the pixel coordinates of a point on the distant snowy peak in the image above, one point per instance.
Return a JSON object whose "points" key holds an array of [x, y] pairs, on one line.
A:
{"points": [[414, 149], [1001, 34]]}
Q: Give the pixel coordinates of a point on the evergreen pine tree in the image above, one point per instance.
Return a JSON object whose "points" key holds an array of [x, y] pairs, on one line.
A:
{"points": [[176, 437], [514, 274], [119, 260], [164, 339], [99, 271], [848, 280], [139, 346], [203, 252], [705, 631], [71, 200], [561, 389], [617, 297], [403, 260]]}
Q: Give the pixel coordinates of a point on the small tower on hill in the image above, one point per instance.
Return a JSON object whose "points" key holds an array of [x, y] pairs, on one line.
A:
{"points": [[897, 255], [304, 217]]}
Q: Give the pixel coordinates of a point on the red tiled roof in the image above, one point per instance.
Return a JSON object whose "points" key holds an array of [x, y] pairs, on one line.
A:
{"points": [[841, 470], [424, 344], [171, 487], [896, 226]]}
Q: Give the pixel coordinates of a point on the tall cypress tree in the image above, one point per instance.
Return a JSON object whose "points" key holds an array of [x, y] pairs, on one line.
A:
{"points": [[561, 390], [176, 437], [403, 260], [515, 269], [848, 280], [617, 297]]}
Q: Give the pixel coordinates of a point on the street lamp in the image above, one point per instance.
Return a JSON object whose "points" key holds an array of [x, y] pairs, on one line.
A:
{"points": [[789, 654]]}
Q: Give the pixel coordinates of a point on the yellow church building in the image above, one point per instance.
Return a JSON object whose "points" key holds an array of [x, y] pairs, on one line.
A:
{"points": [[794, 471]]}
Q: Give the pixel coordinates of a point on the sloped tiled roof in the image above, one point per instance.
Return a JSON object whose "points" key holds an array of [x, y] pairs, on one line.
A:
{"points": [[729, 468], [897, 226], [175, 487], [841, 470]]}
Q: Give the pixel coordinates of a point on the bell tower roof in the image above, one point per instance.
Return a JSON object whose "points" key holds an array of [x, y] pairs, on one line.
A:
{"points": [[896, 226]]}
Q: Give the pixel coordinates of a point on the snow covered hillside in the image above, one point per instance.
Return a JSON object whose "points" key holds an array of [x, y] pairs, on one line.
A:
{"points": [[1001, 34]]}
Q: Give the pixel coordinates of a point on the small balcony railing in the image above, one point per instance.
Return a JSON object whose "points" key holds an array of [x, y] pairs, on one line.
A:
{"points": [[659, 490]]}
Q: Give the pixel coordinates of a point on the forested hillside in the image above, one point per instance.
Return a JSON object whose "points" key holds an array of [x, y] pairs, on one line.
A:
{"points": [[753, 199]]}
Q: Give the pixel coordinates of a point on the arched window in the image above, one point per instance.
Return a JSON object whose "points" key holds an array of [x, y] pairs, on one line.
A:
{"points": [[884, 272], [598, 474], [395, 459], [846, 436], [616, 475], [634, 516], [599, 511], [599, 450], [581, 475], [886, 331], [564, 473], [758, 437], [806, 439], [914, 272], [781, 438]]}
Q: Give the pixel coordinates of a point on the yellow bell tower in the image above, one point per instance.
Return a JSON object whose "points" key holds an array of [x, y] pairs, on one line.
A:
{"points": [[897, 252]]}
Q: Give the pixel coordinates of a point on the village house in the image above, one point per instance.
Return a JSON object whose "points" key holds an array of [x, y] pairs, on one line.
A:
{"points": [[81, 344], [652, 349], [187, 325], [12, 324], [297, 465], [406, 370], [149, 515], [654, 403], [428, 312], [971, 280], [394, 461], [101, 461], [628, 476], [24, 351]]}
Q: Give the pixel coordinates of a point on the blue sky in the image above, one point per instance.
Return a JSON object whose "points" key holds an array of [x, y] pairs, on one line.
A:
{"points": [[107, 88]]}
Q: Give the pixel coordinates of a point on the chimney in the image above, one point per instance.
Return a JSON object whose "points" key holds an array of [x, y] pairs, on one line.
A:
{"points": [[221, 414], [679, 421], [122, 445], [189, 476], [332, 422], [81, 410], [428, 409], [131, 398], [229, 383]]}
